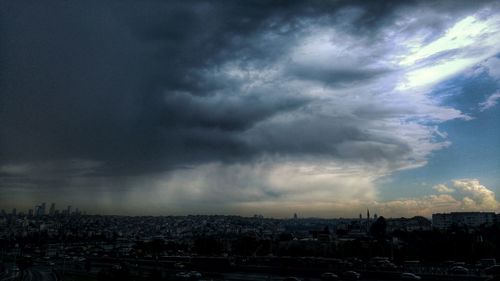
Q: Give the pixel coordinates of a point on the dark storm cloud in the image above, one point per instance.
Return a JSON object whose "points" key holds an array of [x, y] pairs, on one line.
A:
{"points": [[337, 77], [223, 113], [137, 86], [92, 80]]}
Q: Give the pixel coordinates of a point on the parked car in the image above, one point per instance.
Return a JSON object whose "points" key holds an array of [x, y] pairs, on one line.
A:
{"points": [[328, 276], [410, 276], [493, 270], [351, 275], [291, 278], [191, 275], [458, 270]]}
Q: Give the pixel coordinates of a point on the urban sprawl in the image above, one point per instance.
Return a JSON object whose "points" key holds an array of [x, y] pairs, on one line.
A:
{"points": [[458, 244]]}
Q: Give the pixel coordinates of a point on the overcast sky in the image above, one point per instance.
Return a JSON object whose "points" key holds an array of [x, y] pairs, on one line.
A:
{"points": [[323, 108]]}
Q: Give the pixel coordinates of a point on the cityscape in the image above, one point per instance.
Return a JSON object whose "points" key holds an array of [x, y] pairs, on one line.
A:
{"points": [[70, 245], [249, 140]]}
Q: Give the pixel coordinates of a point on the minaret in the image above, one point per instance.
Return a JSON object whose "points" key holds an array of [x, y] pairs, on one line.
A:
{"points": [[367, 220]]}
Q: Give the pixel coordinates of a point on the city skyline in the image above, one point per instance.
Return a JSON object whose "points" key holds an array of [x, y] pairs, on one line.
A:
{"points": [[439, 220], [320, 108]]}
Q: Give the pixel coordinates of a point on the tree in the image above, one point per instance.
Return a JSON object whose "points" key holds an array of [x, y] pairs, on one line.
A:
{"points": [[207, 246], [378, 228]]}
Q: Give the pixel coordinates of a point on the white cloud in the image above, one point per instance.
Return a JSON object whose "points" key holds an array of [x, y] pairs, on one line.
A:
{"points": [[492, 66], [468, 195], [476, 196], [468, 42], [490, 102], [441, 188]]}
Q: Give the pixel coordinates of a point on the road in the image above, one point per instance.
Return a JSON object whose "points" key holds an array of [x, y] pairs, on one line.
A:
{"points": [[39, 273]]}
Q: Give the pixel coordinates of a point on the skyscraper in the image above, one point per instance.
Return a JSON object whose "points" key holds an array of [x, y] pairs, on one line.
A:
{"points": [[42, 209], [52, 209]]}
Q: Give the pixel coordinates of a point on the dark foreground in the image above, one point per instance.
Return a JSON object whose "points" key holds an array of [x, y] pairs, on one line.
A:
{"points": [[216, 268]]}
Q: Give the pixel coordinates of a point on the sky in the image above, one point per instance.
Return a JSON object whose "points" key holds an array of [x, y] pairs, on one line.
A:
{"points": [[320, 108]]}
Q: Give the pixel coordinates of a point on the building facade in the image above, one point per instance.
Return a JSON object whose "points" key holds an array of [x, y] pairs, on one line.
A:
{"points": [[470, 219]]}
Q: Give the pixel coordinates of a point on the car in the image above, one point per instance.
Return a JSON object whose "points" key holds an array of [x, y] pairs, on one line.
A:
{"points": [[291, 278], [179, 265], [387, 266], [351, 275], [487, 262], [493, 270], [195, 274], [410, 276], [328, 276], [191, 275], [458, 270]]}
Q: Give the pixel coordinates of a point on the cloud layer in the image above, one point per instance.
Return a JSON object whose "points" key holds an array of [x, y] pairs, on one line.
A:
{"points": [[225, 106]]}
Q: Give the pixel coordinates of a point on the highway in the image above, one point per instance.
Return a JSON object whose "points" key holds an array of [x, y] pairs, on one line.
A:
{"points": [[36, 273], [42, 270], [39, 273]]}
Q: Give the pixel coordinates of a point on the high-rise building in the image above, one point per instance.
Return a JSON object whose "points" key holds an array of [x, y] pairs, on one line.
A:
{"points": [[52, 209], [30, 212], [14, 211], [68, 210], [368, 223], [42, 209]]}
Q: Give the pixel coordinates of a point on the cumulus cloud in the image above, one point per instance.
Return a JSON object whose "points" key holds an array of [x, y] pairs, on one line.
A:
{"points": [[476, 196], [276, 104], [464, 195], [424, 206], [441, 188]]}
